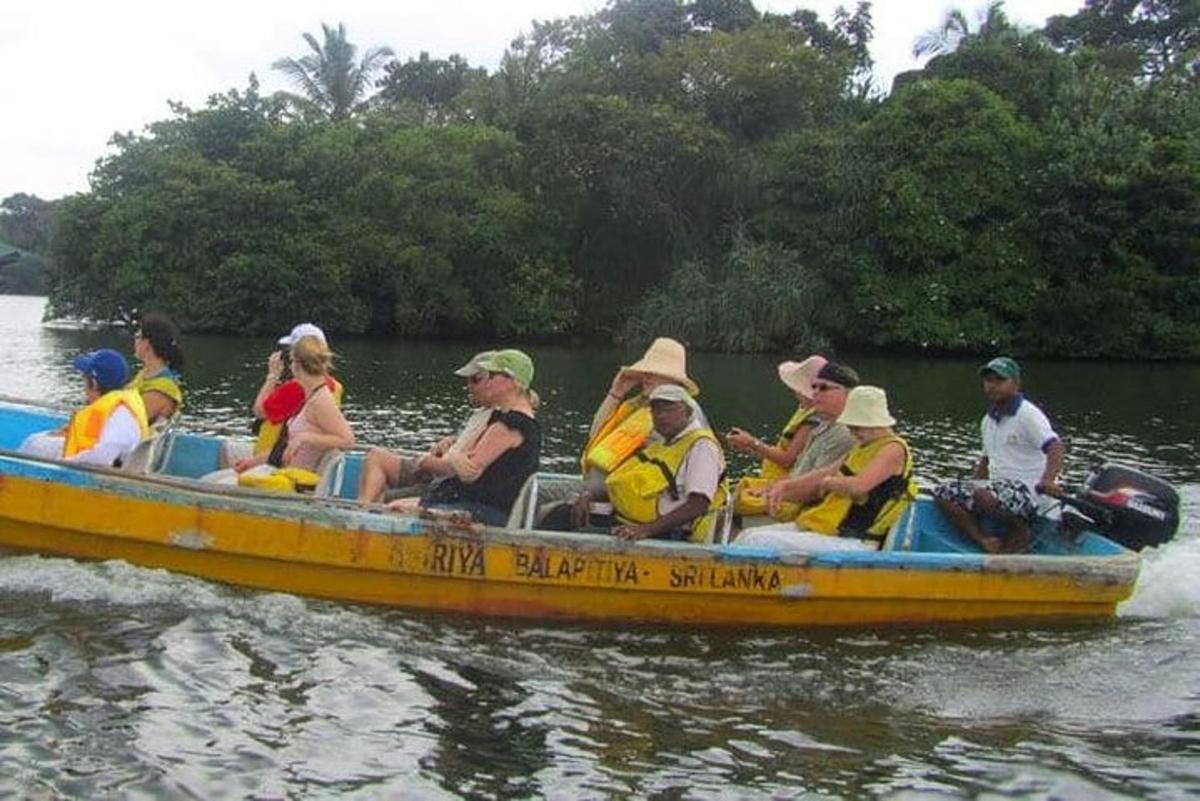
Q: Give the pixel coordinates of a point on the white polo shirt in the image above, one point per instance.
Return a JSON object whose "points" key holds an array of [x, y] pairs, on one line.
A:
{"points": [[1015, 441]]}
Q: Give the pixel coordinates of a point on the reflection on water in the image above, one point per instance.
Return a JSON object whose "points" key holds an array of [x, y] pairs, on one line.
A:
{"points": [[122, 682]]}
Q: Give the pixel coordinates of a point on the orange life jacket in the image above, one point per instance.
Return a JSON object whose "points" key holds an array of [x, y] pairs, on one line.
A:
{"points": [[86, 425]]}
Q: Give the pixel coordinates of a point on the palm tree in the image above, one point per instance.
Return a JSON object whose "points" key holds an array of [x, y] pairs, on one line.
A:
{"points": [[946, 38], [332, 81]]}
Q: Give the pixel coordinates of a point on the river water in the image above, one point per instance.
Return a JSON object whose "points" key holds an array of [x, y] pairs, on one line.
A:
{"points": [[120, 682]]}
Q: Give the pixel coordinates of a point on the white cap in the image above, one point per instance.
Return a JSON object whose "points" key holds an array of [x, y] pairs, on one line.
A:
{"points": [[301, 331]]}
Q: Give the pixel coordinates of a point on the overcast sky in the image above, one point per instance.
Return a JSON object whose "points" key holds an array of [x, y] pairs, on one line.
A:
{"points": [[76, 71]]}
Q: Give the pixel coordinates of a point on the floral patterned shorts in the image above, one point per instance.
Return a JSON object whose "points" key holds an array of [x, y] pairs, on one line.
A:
{"points": [[1012, 496]]}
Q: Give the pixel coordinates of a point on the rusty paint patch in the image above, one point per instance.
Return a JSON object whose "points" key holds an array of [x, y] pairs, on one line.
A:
{"points": [[358, 545], [192, 540]]}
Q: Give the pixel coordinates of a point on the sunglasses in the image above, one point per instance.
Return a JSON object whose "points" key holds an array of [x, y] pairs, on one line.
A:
{"points": [[821, 387], [477, 377]]}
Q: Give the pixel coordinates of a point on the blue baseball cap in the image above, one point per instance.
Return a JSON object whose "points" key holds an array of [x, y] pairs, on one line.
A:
{"points": [[106, 366]]}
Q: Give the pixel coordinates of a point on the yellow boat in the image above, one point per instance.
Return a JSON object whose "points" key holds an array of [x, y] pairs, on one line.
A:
{"points": [[153, 512]]}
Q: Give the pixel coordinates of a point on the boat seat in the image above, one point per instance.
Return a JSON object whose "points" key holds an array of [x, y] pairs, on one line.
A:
{"points": [[144, 457], [234, 448], [187, 455], [147, 454], [723, 526], [539, 491], [332, 470]]}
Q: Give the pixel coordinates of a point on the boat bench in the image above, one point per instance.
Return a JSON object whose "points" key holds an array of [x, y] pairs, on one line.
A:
{"points": [[538, 492], [339, 471], [541, 490]]}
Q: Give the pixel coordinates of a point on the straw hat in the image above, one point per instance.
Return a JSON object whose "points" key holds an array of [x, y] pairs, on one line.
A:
{"points": [[799, 376], [866, 407], [667, 359]]}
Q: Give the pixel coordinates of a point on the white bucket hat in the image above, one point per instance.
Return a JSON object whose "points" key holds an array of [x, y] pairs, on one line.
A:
{"points": [[301, 331], [667, 359], [866, 407], [799, 376]]}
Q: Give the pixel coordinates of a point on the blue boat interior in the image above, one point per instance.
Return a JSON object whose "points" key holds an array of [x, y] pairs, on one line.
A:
{"points": [[924, 529], [185, 455], [182, 454], [18, 422], [179, 454]]}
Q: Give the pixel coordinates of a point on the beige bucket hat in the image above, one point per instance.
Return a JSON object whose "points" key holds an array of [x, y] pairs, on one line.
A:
{"points": [[799, 376], [667, 359], [866, 407]]}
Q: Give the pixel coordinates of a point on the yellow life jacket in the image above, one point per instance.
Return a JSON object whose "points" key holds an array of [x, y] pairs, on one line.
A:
{"points": [[838, 514], [163, 382], [625, 430], [635, 486], [283, 479], [751, 500], [268, 432], [772, 470], [86, 425]]}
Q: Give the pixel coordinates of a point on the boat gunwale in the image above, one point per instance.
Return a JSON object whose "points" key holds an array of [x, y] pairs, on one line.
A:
{"points": [[352, 517]]}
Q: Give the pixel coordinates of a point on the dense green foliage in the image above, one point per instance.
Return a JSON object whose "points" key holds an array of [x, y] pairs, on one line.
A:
{"points": [[26, 228], [21, 273], [697, 169]]}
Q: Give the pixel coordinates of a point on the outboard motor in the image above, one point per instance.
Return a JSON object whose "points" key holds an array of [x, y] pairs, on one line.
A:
{"points": [[1127, 506]]}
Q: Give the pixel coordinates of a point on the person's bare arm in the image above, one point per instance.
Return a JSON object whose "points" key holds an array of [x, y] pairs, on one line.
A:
{"points": [[158, 405], [496, 439], [887, 463], [274, 374]]}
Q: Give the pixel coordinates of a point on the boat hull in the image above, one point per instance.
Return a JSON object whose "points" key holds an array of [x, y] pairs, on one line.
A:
{"points": [[330, 550]]}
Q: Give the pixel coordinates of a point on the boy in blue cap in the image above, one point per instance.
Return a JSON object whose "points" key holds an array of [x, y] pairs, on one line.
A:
{"points": [[114, 421], [1022, 457], [111, 424]]}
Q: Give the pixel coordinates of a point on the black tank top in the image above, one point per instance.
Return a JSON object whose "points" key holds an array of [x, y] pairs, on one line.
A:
{"points": [[502, 480]]}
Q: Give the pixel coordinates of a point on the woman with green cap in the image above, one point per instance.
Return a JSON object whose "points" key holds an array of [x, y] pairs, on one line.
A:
{"points": [[486, 476]]}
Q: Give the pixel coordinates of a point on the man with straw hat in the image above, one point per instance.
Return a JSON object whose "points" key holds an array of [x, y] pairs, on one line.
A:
{"points": [[622, 424], [862, 496], [676, 487]]}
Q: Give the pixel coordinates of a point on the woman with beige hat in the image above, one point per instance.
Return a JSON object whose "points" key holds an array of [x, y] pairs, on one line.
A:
{"points": [[777, 459], [622, 424], [863, 496]]}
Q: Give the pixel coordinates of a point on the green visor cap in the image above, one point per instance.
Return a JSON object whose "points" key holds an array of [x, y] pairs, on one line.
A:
{"points": [[512, 363], [1003, 367], [472, 367]]}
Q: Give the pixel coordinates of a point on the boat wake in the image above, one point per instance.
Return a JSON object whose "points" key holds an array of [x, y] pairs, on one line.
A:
{"points": [[1167, 584], [120, 584]]}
